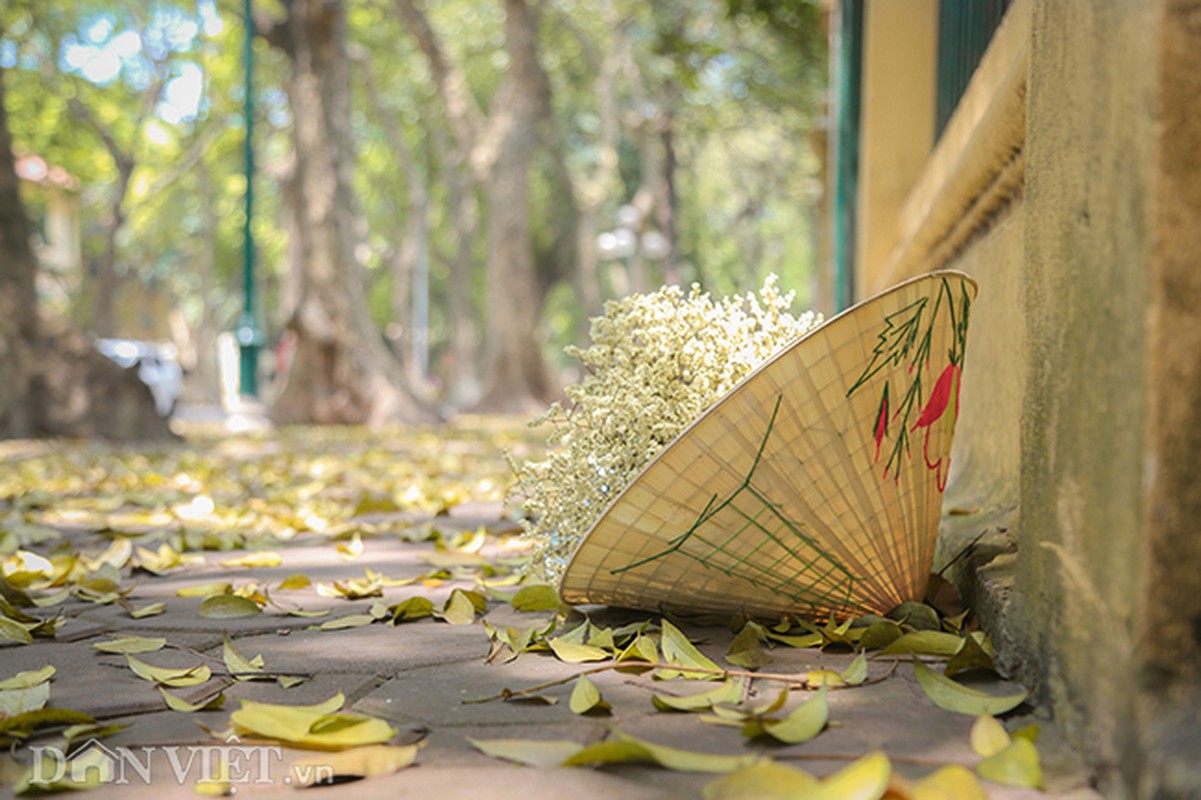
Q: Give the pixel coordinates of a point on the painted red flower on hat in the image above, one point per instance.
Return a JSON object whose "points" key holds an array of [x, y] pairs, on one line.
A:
{"points": [[900, 364], [944, 396], [882, 421]]}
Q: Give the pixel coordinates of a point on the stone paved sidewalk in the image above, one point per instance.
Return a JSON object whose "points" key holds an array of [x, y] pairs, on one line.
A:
{"points": [[417, 675]]}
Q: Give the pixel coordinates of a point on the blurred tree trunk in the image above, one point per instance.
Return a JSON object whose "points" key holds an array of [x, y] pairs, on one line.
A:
{"points": [[747, 230], [203, 380], [292, 281], [103, 270], [341, 371], [52, 381], [19, 358], [501, 148], [515, 379], [598, 185], [653, 122], [464, 379], [556, 260], [198, 343], [668, 203], [408, 252], [105, 281]]}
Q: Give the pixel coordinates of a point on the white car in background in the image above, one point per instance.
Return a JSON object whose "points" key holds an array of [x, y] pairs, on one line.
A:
{"points": [[157, 367]]}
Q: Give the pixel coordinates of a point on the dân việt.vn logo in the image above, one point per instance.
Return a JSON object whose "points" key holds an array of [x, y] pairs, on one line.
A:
{"points": [[231, 764]]}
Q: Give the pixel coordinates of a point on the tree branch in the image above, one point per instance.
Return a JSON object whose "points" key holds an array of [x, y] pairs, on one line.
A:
{"points": [[464, 114], [798, 680], [195, 152], [82, 111], [392, 128]]}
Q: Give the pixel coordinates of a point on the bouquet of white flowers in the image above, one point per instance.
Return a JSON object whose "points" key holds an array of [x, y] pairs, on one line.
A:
{"points": [[656, 362]]}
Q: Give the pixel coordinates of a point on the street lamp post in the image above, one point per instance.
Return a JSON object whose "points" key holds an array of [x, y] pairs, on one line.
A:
{"points": [[249, 334]]}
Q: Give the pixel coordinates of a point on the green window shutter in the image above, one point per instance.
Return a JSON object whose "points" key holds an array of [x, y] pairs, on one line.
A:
{"points": [[965, 27]]}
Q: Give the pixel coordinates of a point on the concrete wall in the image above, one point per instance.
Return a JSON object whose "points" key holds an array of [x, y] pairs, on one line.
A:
{"points": [[1109, 572], [1079, 442], [1089, 160], [1169, 626], [1106, 601]]}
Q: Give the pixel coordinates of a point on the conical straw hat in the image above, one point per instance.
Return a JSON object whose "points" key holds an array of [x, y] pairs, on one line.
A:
{"points": [[813, 488]]}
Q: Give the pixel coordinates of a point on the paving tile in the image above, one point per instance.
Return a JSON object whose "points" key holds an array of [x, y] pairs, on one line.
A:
{"points": [[499, 781], [377, 648], [97, 683], [495, 780], [183, 614], [433, 696], [165, 727], [447, 746], [417, 675], [320, 688], [388, 556], [79, 630]]}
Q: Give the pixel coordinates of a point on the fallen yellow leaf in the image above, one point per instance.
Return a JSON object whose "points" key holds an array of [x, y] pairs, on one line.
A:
{"points": [[729, 691], [1016, 765], [264, 558], [237, 664], [539, 597], [228, 606], [204, 589], [150, 610], [766, 780], [24, 699], [24, 680], [803, 724], [318, 727], [576, 653], [168, 676], [296, 581], [865, 779], [530, 752], [824, 677], [179, 704], [585, 697], [131, 644], [953, 782], [628, 749], [952, 696], [678, 651], [989, 737]]}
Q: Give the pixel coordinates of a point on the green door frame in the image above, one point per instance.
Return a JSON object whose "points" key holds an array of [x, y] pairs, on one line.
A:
{"points": [[846, 176]]}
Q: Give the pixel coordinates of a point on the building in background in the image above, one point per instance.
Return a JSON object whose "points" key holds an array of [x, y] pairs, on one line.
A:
{"points": [[1053, 151], [51, 198]]}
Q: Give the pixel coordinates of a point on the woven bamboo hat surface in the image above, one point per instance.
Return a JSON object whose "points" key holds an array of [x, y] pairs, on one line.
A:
{"points": [[813, 488]]}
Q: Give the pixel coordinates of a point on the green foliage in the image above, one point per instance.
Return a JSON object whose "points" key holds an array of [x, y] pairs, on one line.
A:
{"points": [[734, 84]]}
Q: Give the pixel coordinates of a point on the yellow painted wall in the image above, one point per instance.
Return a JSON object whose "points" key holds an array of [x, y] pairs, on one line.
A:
{"points": [[897, 123]]}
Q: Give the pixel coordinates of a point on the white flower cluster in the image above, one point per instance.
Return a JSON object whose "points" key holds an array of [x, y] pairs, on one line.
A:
{"points": [[656, 362]]}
